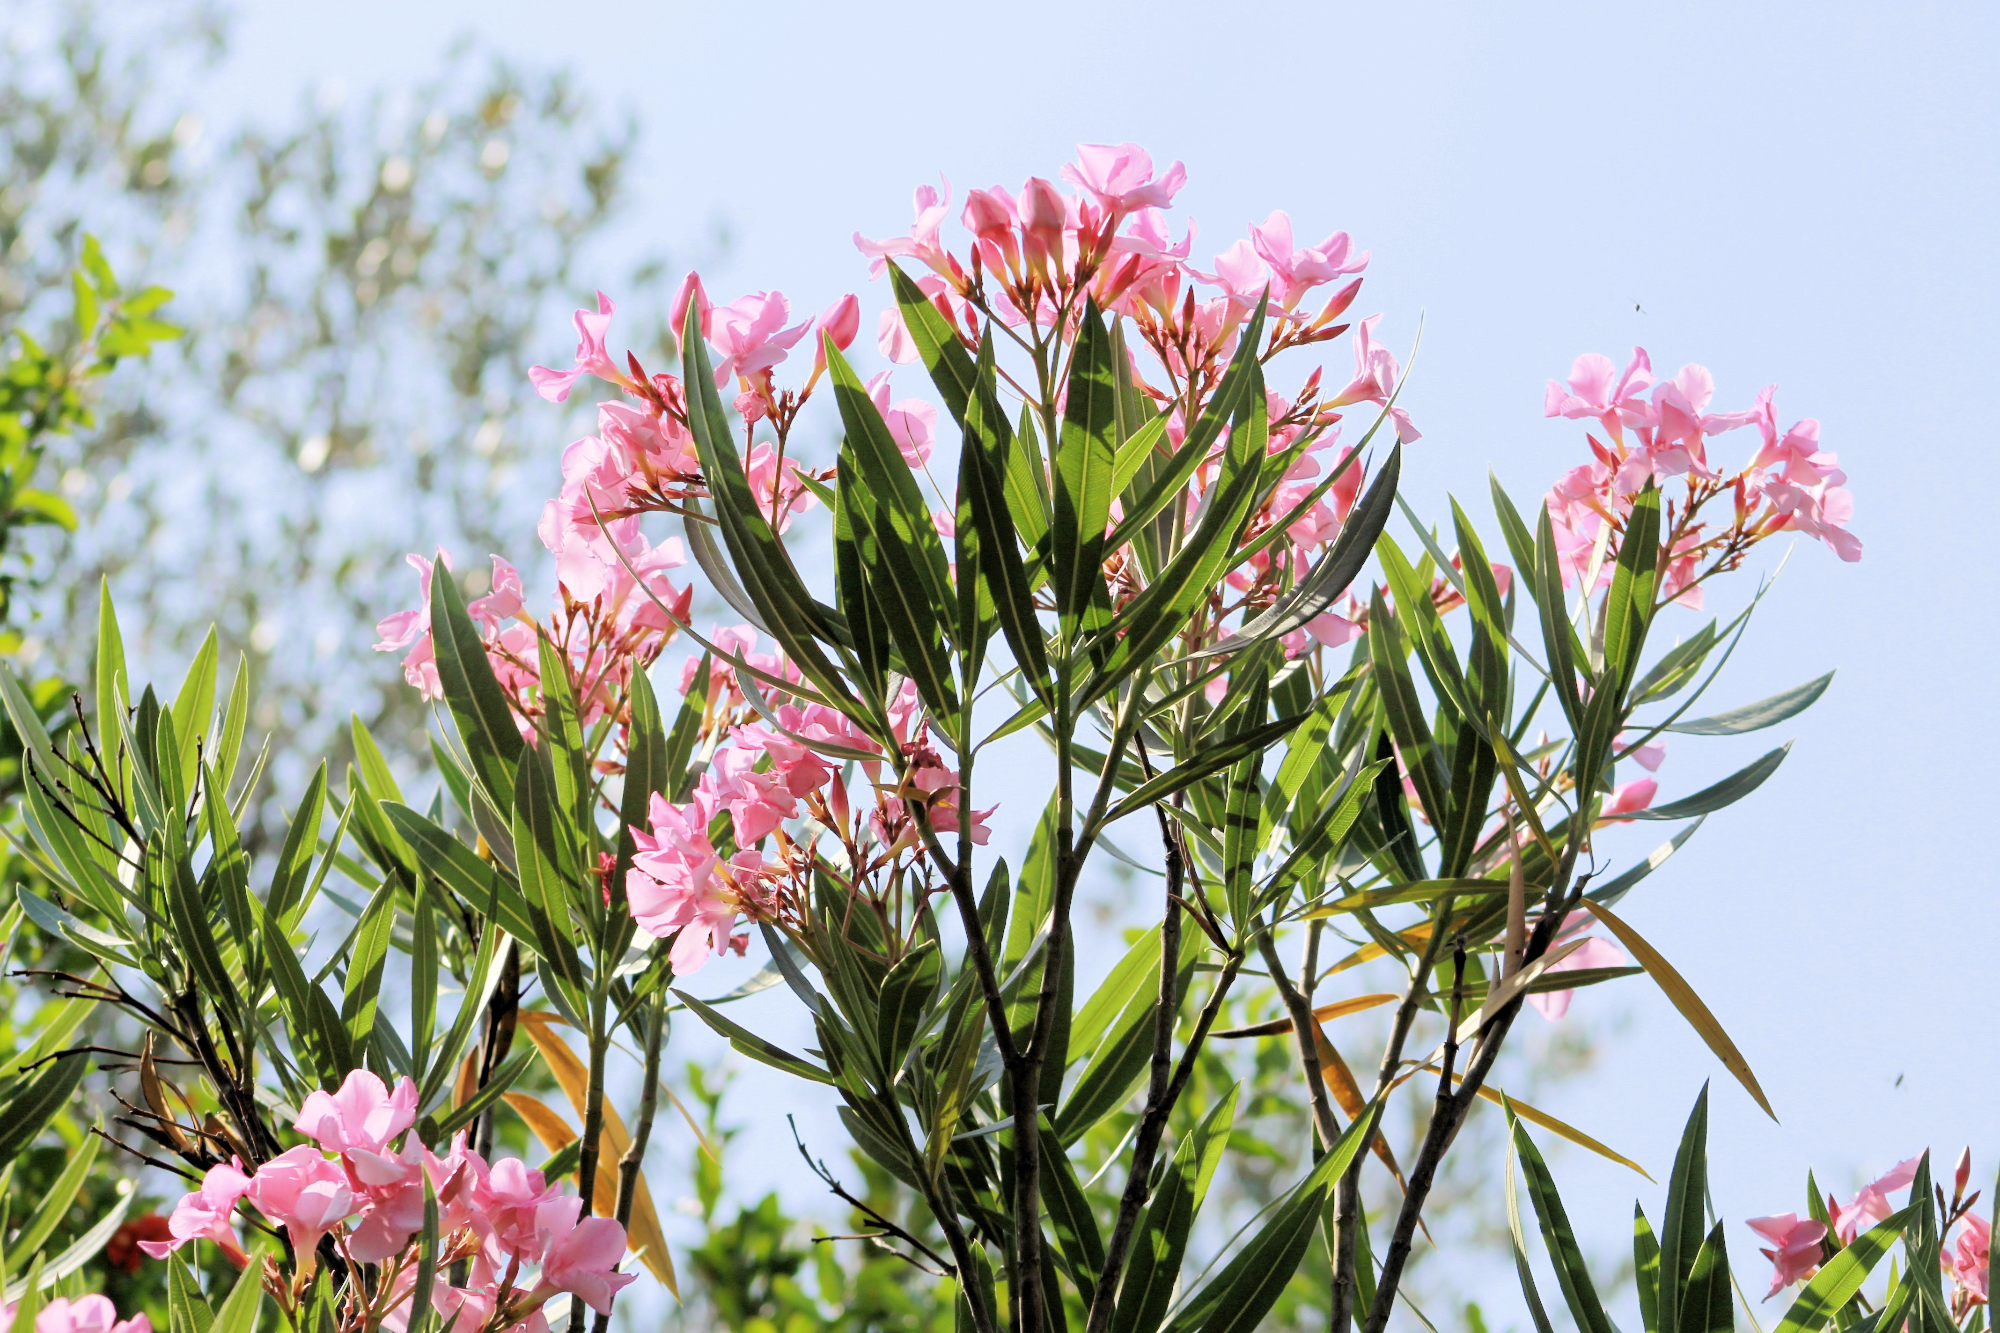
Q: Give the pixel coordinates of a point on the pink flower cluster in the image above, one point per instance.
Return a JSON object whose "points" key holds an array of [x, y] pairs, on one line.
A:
{"points": [[1798, 1246], [763, 774], [1657, 430], [368, 1196]]}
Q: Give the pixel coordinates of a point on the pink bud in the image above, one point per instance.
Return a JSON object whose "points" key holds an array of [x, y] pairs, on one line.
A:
{"points": [[1964, 1175], [1043, 215], [840, 322], [690, 293]]}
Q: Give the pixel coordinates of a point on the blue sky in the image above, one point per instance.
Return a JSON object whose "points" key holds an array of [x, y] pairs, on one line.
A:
{"points": [[1794, 193]]}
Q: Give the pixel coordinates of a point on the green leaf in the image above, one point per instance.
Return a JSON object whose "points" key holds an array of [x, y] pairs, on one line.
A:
{"points": [[472, 1107], [1069, 1213], [187, 1312], [1706, 1306], [319, 1039], [1558, 638], [754, 1046], [901, 555], [81, 1250], [365, 966], [1153, 1267], [1210, 760], [194, 707], [478, 704], [1567, 1256], [1335, 571], [1612, 890], [483, 888], [906, 997], [1387, 652], [759, 558], [1681, 1226], [1085, 466], [289, 876], [938, 346], [246, 1300], [1837, 1282], [33, 1102], [424, 976], [1724, 793], [1237, 1299], [1646, 1269], [538, 854], [1754, 717], [1519, 1243], [984, 463], [1630, 609], [53, 1204]]}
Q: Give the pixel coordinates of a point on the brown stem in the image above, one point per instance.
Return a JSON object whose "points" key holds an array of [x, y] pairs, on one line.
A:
{"points": [[1304, 1029]]}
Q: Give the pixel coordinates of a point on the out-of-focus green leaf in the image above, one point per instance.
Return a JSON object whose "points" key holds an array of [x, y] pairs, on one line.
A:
{"points": [[1153, 1268], [1763, 713], [1724, 793], [1564, 1253]]}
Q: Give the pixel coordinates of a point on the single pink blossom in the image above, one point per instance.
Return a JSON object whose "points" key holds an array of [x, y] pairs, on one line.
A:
{"points": [[1872, 1203], [1969, 1261], [580, 1256], [1795, 1248], [912, 422], [305, 1193], [206, 1214], [1599, 392], [364, 1114], [1120, 176], [750, 335], [591, 358], [1636, 795], [922, 243], [1299, 270]]}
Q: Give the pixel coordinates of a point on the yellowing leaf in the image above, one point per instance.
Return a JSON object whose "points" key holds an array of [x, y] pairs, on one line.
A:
{"points": [[1326, 1013], [1684, 999], [1340, 1082], [573, 1076], [1415, 937]]}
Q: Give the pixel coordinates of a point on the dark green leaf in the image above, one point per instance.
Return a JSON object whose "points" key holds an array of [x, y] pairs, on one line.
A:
{"points": [[1681, 1226], [1726, 792], [1764, 713], [754, 1046]]}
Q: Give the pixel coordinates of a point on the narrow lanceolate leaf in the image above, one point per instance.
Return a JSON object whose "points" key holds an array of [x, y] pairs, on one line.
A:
{"points": [[1519, 1243], [901, 555], [539, 858], [754, 1046], [983, 465], [1154, 1265], [1388, 654], [1330, 577], [1558, 639], [478, 704], [1213, 759], [1685, 1000], [1835, 1285], [1681, 1225], [648, 771], [1069, 1214], [1236, 1299], [1646, 1269], [1242, 813], [1630, 610], [31, 1104], [769, 579], [1706, 1305], [1759, 715], [1085, 461], [366, 965], [938, 346], [1567, 1256], [1724, 793]]}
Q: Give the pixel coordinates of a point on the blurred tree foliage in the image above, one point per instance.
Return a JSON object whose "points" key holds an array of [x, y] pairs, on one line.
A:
{"points": [[364, 283]]}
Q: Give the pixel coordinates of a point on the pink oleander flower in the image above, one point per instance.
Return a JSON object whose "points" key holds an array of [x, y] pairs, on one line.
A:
{"points": [[922, 243], [751, 337], [1969, 1259], [364, 1115], [580, 1257], [1648, 756], [591, 358], [1872, 1203], [206, 1214], [1593, 952], [1375, 378], [1823, 511], [1630, 796], [912, 422], [1598, 392], [1120, 177], [85, 1314], [1300, 270], [412, 630], [1241, 275], [1045, 221], [305, 1193], [1795, 1248]]}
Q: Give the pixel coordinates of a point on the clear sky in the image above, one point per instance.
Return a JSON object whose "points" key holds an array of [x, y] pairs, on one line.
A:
{"points": [[1799, 193]]}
